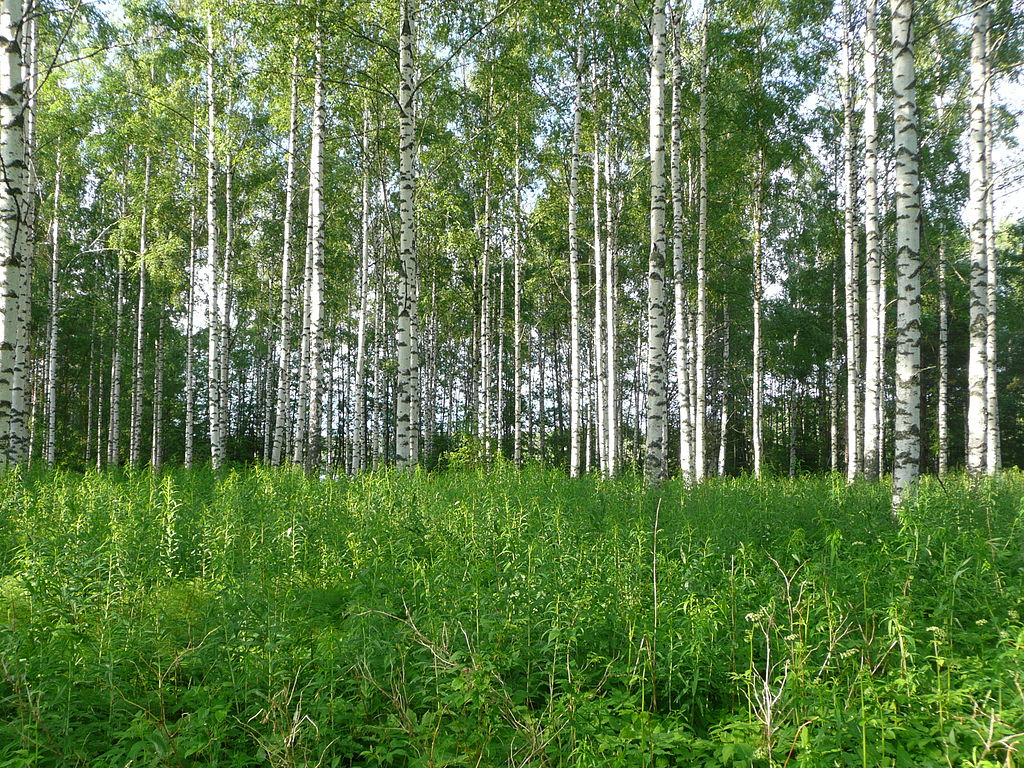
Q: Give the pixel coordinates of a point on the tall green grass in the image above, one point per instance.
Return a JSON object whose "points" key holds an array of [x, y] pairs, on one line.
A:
{"points": [[507, 618]]}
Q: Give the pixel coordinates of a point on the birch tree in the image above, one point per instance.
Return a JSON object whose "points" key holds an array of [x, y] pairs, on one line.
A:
{"points": [[574, 274], [678, 259], [977, 412], [14, 242], [854, 414], [52, 324], [655, 464], [405, 435], [872, 351], [906, 465]]}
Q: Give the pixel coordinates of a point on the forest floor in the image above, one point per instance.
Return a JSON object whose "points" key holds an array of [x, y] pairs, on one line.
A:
{"points": [[473, 618]]}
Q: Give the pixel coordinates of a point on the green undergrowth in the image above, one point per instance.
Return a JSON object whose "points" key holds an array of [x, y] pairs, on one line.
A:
{"points": [[507, 618]]}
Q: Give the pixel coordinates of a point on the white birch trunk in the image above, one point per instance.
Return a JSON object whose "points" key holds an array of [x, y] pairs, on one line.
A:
{"points": [[758, 288], [723, 424], [190, 307], [278, 451], [157, 450], [680, 308], [316, 245], [872, 347], [517, 318], [135, 428], [943, 404], [302, 403], [15, 245], [114, 430], [359, 437], [574, 277], [612, 396], [700, 379], [655, 464], [906, 466], [977, 412], [854, 436], [993, 447], [601, 377], [213, 302], [405, 449], [51, 351]]}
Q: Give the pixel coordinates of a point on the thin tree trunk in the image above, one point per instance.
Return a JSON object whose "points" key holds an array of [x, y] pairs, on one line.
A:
{"points": [[943, 405], [405, 449], [854, 436], [872, 347], [278, 451], [612, 396], [906, 468], [213, 304], [601, 377], [993, 441], [135, 433], [700, 413], [114, 431], [51, 352], [574, 276], [834, 367], [758, 287], [977, 367], [681, 322], [157, 455], [723, 432], [655, 464], [16, 224], [316, 247], [517, 318], [190, 306], [359, 439]]}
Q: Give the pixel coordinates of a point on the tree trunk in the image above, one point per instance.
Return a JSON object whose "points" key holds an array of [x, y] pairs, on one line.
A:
{"points": [[600, 373], [213, 303], [359, 437], [723, 433], [517, 318], [854, 415], [700, 413], [758, 287], [114, 431], [993, 446], [284, 329], [135, 433], [15, 244], [872, 347], [51, 351], [316, 247], [612, 396], [681, 311], [405, 437], [190, 307], [157, 454], [574, 276], [977, 369], [906, 468], [655, 464], [943, 405]]}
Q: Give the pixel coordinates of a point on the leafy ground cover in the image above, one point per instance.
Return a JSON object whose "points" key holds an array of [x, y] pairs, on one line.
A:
{"points": [[507, 618]]}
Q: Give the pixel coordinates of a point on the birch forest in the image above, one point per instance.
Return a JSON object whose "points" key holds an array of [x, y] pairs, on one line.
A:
{"points": [[511, 382]]}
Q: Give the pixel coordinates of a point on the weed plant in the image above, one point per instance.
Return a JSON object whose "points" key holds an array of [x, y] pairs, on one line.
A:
{"points": [[507, 618]]}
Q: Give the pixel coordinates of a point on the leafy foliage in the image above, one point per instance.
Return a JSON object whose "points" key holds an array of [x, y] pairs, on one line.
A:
{"points": [[506, 618]]}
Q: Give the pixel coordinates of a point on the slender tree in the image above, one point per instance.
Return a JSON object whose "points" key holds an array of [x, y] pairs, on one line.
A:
{"points": [[906, 466], [655, 465], [977, 369]]}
